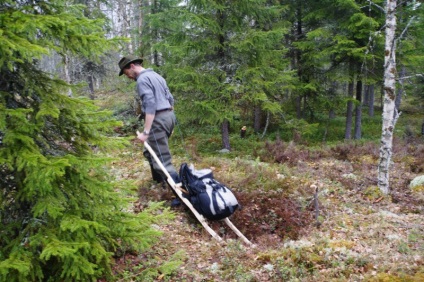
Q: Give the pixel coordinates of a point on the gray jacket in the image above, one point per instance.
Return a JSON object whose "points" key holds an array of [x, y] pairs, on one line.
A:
{"points": [[154, 92]]}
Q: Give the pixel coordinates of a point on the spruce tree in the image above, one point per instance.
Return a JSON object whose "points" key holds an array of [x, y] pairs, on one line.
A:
{"points": [[224, 58], [61, 216], [338, 46], [410, 48]]}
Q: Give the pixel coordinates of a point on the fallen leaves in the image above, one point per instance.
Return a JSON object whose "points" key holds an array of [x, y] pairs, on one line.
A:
{"points": [[361, 236]]}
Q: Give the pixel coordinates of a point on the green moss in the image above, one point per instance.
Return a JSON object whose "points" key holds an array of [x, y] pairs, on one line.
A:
{"points": [[372, 193], [385, 277], [419, 188]]}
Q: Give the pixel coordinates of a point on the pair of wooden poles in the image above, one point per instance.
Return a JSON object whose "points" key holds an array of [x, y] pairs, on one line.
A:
{"points": [[176, 187]]}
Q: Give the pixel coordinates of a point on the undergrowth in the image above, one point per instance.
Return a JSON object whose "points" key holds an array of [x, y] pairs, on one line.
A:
{"points": [[312, 208]]}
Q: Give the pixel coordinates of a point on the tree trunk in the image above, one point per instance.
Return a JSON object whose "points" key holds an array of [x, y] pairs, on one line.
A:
{"points": [[90, 79], [371, 95], [332, 114], [67, 74], [222, 57], [358, 111], [156, 55], [124, 10], [225, 133], [268, 116], [365, 100], [298, 107], [389, 119], [348, 129], [89, 70], [332, 95], [305, 105], [298, 36], [382, 97], [257, 118]]}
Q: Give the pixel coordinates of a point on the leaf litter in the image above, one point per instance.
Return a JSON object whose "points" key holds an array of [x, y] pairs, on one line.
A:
{"points": [[361, 235]]}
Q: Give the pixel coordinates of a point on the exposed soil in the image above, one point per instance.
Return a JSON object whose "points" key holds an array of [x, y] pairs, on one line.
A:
{"points": [[328, 222]]}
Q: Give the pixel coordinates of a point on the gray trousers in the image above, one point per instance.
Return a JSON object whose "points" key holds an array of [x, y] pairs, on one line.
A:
{"points": [[162, 128]]}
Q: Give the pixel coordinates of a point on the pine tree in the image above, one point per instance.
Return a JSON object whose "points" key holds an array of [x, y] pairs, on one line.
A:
{"points": [[61, 217]]}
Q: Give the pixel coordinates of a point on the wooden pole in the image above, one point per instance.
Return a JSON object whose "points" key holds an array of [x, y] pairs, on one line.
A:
{"points": [[173, 185], [232, 226]]}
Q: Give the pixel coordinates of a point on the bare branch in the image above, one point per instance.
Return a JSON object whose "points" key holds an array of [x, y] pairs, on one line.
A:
{"points": [[406, 28], [411, 76], [379, 7]]}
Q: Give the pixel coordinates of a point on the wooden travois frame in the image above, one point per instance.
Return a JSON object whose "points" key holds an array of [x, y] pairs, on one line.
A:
{"points": [[176, 187]]}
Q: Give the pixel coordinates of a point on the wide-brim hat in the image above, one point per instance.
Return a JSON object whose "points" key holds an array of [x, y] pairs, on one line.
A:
{"points": [[125, 61]]}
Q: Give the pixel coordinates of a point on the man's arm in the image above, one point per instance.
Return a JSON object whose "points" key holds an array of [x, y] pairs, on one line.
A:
{"points": [[147, 126]]}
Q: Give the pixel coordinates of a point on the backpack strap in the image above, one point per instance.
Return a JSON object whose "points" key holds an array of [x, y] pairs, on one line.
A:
{"points": [[214, 185]]}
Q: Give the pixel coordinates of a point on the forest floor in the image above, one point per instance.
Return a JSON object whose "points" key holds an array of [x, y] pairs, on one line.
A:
{"points": [[353, 234]]}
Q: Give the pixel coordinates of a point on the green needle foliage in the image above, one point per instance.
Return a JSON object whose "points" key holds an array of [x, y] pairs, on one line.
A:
{"points": [[224, 58], [62, 217]]}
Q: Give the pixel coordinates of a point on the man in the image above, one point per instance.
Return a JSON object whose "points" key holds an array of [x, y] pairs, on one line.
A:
{"points": [[157, 104]]}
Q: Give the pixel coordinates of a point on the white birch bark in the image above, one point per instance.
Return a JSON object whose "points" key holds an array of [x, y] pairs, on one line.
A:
{"points": [[389, 116]]}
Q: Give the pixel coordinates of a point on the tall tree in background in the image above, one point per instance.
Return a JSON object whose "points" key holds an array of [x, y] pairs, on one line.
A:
{"points": [[301, 61], [335, 47], [410, 50], [222, 56], [389, 116], [263, 77], [358, 111], [61, 218], [214, 55], [155, 28]]}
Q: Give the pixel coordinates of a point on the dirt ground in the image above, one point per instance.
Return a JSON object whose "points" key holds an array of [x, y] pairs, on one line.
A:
{"points": [[328, 222]]}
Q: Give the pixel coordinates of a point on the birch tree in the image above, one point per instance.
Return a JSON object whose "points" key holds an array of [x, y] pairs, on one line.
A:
{"points": [[390, 115]]}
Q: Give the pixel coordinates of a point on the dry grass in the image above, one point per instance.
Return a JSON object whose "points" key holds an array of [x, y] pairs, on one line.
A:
{"points": [[361, 235]]}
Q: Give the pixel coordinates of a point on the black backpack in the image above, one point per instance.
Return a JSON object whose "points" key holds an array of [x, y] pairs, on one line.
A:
{"points": [[210, 198]]}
